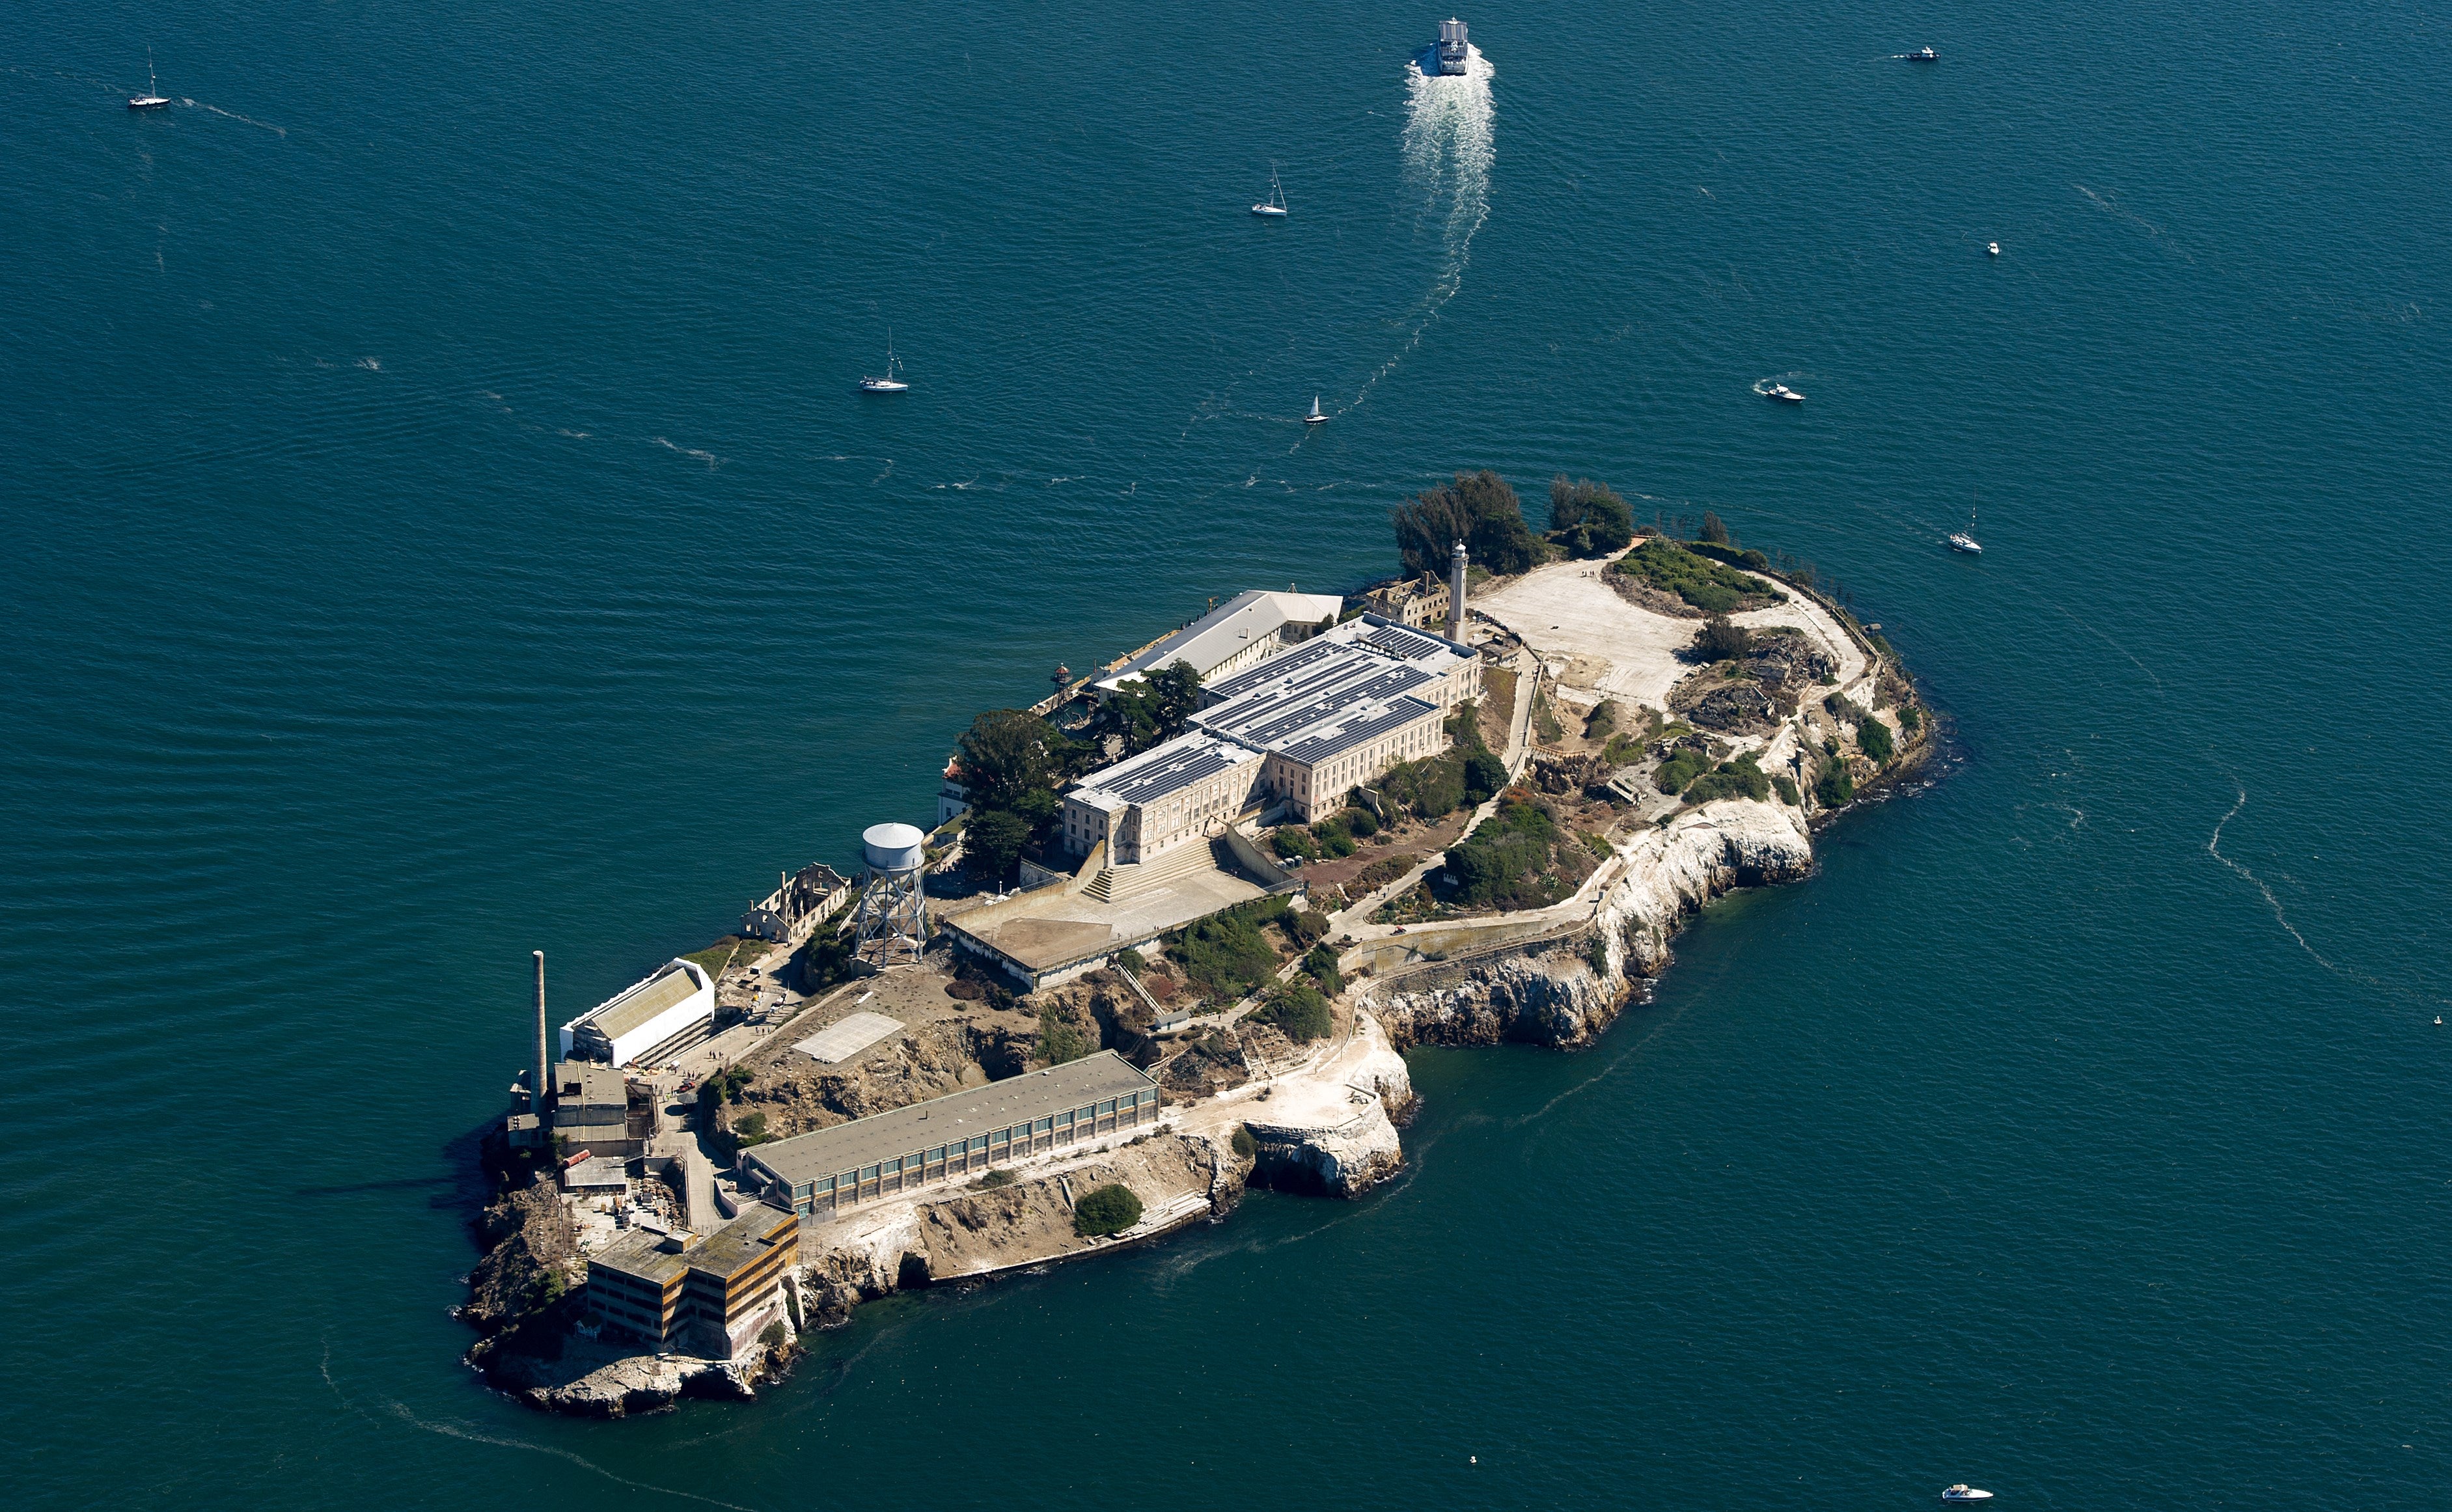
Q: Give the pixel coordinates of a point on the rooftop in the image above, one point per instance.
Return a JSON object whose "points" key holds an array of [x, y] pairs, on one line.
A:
{"points": [[1164, 769], [641, 1252], [625, 1010], [1226, 630], [589, 1083], [957, 1115]]}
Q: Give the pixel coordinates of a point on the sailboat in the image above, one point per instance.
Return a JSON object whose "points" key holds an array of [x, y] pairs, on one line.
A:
{"points": [[1274, 208], [1314, 418], [889, 383], [152, 98], [1965, 540]]}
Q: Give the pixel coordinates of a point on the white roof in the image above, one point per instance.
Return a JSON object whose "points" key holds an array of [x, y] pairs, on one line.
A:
{"points": [[1226, 630]]}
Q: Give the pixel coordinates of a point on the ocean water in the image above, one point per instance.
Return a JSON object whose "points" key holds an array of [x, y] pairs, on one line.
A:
{"points": [[443, 526]]}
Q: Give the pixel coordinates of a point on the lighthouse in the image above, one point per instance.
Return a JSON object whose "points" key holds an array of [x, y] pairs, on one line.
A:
{"points": [[1455, 594]]}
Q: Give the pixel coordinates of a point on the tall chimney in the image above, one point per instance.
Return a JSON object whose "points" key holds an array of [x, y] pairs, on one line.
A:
{"points": [[1455, 595], [543, 1067]]}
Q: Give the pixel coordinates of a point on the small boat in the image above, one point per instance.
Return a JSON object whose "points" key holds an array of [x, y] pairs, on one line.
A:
{"points": [[1992, 248], [889, 383], [1314, 418], [1966, 1493], [1274, 207], [1927, 55], [1784, 394], [152, 99], [1965, 540]]}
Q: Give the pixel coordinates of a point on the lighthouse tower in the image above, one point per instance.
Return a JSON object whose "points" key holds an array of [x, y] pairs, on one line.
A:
{"points": [[1455, 594]]}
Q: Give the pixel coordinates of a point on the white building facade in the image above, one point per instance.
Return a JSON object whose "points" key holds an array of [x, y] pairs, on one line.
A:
{"points": [[648, 1022]]}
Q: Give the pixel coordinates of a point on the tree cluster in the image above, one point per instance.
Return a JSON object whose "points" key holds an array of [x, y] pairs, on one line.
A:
{"points": [[1586, 518], [1011, 762], [1478, 509]]}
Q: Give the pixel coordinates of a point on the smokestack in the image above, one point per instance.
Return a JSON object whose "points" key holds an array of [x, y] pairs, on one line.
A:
{"points": [[1455, 593], [543, 1067]]}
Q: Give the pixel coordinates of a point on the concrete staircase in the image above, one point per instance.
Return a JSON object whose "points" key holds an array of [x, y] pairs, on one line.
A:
{"points": [[1117, 883]]}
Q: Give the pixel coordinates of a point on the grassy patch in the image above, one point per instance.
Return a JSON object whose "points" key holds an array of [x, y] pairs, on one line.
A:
{"points": [[1380, 872], [1225, 954], [1512, 861], [1061, 1039], [1708, 585], [718, 955], [1298, 1011], [1740, 779], [1683, 767]]}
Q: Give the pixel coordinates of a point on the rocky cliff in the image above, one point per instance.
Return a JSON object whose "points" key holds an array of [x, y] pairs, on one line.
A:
{"points": [[1565, 990]]}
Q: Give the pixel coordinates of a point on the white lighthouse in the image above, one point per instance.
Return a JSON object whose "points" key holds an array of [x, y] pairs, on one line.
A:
{"points": [[1455, 594]]}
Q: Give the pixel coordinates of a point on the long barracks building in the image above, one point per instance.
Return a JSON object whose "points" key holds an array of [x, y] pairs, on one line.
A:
{"points": [[834, 1171]]}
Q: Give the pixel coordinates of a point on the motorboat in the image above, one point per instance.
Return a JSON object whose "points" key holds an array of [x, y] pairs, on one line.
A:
{"points": [[152, 99], [889, 383], [1925, 55], [1314, 418], [1992, 249], [1963, 1492], [1274, 207], [1784, 394]]}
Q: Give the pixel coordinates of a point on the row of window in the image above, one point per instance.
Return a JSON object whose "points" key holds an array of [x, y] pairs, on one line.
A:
{"points": [[912, 1165]]}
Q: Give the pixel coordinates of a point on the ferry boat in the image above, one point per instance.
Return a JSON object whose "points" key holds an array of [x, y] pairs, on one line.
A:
{"points": [[1963, 1492], [1451, 47], [152, 99], [1784, 394], [1314, 418], [1927, 55]]}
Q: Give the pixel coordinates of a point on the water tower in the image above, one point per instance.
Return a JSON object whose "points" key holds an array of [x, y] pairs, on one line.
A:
{"points": [[891, 919]]}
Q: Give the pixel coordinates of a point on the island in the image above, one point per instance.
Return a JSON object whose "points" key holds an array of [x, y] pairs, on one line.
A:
{"points": [[1171, 932]]}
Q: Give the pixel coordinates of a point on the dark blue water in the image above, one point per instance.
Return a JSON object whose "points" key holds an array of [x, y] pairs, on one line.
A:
{"points": [[443, 526]]}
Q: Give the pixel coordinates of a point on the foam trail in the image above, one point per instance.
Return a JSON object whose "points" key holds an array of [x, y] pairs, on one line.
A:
{"points": [[233, 116], [2213, 847], [1449, 149]]}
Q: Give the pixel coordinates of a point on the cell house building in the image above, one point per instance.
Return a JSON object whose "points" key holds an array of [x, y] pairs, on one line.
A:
{"points": [[835, 1171]]}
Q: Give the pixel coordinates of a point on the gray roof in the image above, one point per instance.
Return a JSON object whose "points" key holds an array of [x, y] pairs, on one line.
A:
{"points": [[668, 989], [1169, 768], [1287, 664], [1353, 728], [1215, 637], [957, 1115], [640, 1252]]}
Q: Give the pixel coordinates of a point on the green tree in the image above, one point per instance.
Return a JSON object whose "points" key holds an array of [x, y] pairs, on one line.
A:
{"points": [[1111, 1209], [1009, 756], [1719, 639], [1873, 739], [1834, 787], [1478, 509], [1712, 530], [993, 842], [1484, 776], [1586, 518], [1148, 710]]}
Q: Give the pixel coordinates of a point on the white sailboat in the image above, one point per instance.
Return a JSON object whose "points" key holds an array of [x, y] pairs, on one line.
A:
{"points": [[1965, 540], [152, 99], [1314, 418], [1274, 207], [889, 383]]}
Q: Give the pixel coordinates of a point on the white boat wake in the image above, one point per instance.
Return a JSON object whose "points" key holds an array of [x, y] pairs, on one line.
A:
{"points": [[1448, 151]]}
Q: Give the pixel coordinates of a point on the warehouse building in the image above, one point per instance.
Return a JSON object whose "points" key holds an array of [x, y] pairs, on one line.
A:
{"points": [[710, 1296], [648, 1023], [835, 1171]]}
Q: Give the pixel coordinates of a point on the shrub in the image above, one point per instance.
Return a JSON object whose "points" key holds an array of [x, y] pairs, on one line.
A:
{"points": [[1131, 961], [1908, 717], [1306, 928], [1683, 766], [1713, 531], [1873, 739], [1225, 953], [1834, 787], [1501, 862], [1059, 1038], [773, 1335], [1597, 843], [1432, 787], [993, 1180], [1111, 1209], [1245, 1146], [1787, 791], [749, 1128], [1484, 776], [1705, 584], [1596, 955], [1740, 779], [1321, 963], [1293, 841], [1380, 872], [1298, 1011], [1360, 821], [1718, 640], [1332, 837], [1729, 555]]}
